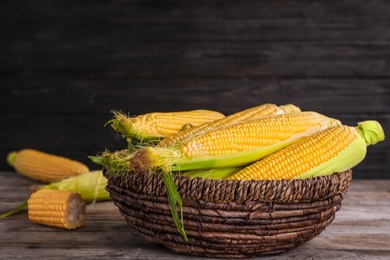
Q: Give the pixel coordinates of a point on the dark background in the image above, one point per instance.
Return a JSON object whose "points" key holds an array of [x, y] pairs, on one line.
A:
{"points": [[64, 65]]}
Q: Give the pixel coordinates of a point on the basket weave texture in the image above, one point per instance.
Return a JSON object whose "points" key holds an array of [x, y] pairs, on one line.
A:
{"points": [[230, 218]]}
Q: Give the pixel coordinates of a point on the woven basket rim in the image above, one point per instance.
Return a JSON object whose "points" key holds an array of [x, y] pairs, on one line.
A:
{"points": [[285, 190]]}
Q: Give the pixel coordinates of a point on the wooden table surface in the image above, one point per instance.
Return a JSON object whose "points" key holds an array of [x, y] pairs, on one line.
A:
{"points": [[361, 230]]}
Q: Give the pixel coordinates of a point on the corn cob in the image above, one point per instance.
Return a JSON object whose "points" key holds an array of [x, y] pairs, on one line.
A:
{"points": [[91, 187], [331, 150], [250, 113], [62, 209], [154, 126], [43, 166], [232, 146]]}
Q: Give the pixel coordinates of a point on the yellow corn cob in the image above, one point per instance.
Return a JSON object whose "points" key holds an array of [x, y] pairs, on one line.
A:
{"points": [[234, 145], [250, 113], [91, 187], [43, 166], [331, 150], [153, 126], [251, 134], [57, 208]]}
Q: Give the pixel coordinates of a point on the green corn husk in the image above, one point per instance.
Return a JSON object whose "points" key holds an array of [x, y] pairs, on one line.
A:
{"points": [[91, 186], [20, 207], [176, 204]]}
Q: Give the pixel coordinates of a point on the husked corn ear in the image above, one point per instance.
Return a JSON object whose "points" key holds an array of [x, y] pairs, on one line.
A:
{"points": [[250, 113], [153, 126], [43, 166], [254, 133], [331, 150], [57, 208], [232, 146]]}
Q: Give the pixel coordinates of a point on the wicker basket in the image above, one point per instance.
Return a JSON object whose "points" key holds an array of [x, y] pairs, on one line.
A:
{"points": [[230, 219]]}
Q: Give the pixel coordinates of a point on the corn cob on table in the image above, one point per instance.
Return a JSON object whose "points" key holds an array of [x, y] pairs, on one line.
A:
{"points": [[361, 230]]}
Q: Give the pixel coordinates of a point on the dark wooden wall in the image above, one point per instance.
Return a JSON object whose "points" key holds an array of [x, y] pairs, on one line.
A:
{"points": [[64, 65]]}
